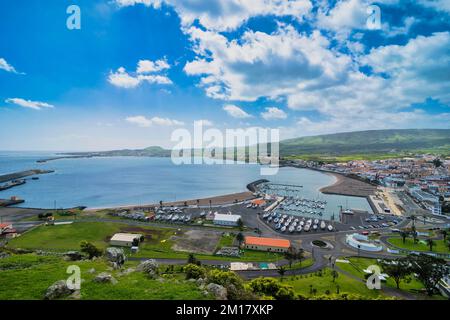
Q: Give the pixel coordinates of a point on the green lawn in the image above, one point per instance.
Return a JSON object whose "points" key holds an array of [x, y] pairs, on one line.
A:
{"points": [[439, 247], [28, 276], [157, 244], [357, 266], [302, 285]]}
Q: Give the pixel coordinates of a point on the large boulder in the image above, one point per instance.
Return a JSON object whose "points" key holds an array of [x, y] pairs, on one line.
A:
{"points": [[150, 267], [105, 278], [58, 290], [219, 292], [3, 255], [73, 256], [115, 255]]}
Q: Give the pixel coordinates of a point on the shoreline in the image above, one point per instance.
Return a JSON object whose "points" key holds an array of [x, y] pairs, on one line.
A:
{"points": [[225, 199], [343, 186]]}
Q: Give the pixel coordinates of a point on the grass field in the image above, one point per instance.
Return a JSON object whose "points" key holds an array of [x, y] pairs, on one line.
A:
{"points": [[157, 242], [357, 266], [323, 283], [439, 247], [28, 277]]}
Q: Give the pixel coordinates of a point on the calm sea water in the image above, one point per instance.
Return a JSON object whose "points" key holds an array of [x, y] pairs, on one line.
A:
{"points": [[102, 182]]}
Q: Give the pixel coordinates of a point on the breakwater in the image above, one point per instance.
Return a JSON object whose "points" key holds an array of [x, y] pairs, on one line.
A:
{"points": [[22, 174]]}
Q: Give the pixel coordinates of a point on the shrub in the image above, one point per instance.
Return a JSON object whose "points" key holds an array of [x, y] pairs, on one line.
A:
{"points": [[194, 271]]}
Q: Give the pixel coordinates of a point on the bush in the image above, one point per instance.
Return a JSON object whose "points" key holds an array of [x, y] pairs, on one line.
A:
{"points": [[271, 287], [89, 249], [194, 271]]}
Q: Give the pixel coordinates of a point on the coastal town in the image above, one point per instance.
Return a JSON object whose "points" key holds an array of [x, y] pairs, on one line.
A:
{"points": [[261, 233]]}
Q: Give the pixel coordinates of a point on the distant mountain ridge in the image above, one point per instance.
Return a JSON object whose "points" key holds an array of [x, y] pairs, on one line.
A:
{"points": [[392, 141], [371, 141]]}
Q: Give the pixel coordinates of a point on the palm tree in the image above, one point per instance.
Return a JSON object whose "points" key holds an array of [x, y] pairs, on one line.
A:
{"points": [[415, 239], [281, 270], [210, 203], [437, 162], [430, 243], [290, 255], [198, 202], [240, 238], [404, 235], [160, 203], [334, 274], [240, 224], [413, 219], [444, 234]]}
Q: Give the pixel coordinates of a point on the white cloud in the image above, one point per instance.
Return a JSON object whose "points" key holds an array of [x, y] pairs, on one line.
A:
{"points": [[36, 105], [273, 113], [4, 65], [223, 15], [204, 123], [235, 111], [147, 66], [264, 65], [439, 5], [145, 122], [147, 71], [344, 16]]}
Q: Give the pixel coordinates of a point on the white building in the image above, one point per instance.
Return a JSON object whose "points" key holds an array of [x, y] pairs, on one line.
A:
{"points": [[124, 239], [226, 219]]}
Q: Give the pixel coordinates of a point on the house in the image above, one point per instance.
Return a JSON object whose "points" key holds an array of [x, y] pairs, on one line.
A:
{"points": [[267, 244], [4, 227], [227, 219], [125, 239]]}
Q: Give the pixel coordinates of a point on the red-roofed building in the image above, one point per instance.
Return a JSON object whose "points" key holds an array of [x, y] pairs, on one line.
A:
{"points": [[4, 227], [267, 244]]}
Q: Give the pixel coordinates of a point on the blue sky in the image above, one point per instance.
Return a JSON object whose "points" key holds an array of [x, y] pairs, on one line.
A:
{"points": [[138, 69]]}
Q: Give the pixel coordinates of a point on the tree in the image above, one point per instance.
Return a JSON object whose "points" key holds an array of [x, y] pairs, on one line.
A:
{"points": [[334, 274], [290, 255], [91, 250], [437, 162], [281, 271], [240, 238], [160, 203], [444, 234], [240, 224], [404, 235], [193, 260], [397, 269], [413, 219], [198, 202], [415, 238], [430, 244], [429, 270]]}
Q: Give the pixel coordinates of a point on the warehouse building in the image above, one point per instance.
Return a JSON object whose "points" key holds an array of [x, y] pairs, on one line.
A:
{"points": [[267, 244], [231, 220], [125, 239]]}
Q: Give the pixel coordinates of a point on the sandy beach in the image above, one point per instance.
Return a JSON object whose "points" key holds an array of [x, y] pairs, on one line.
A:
{"points": [[347, 186]]}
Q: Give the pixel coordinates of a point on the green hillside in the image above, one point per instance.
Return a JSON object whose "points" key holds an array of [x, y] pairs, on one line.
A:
{"points": [[374, 142]]}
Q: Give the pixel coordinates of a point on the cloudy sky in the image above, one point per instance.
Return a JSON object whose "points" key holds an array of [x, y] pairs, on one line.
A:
{"points": [[138, 69]]}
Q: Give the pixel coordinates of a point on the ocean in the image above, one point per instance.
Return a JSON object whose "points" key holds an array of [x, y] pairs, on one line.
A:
{"points": [[114, 181]]}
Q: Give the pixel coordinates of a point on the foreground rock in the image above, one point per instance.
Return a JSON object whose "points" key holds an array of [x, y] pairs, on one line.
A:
{"points": [[58, 290], [115, 256], [219, 292], [105, 278], [73, 256], [150, 267]]}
